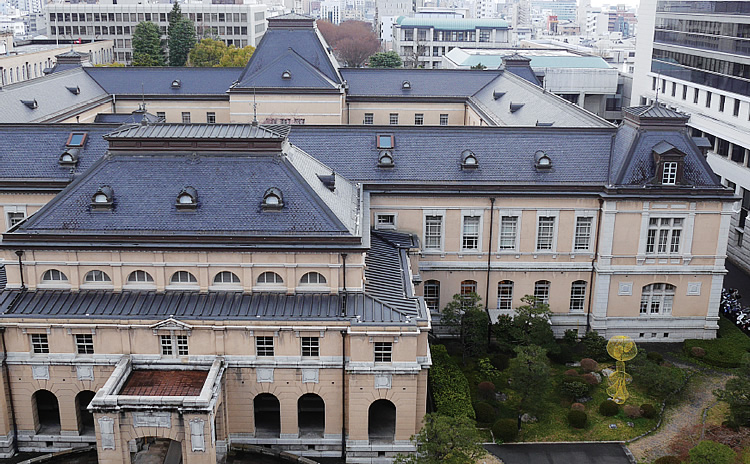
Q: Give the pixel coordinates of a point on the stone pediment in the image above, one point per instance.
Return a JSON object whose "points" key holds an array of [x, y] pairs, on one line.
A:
{"points": [[171, 324]]}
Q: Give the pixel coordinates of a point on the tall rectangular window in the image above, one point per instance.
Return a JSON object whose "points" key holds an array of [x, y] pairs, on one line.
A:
{"points": [[166, 345], [211, 117], [722, 102], [433, 232], [369, 118], [674, 88], [182, 345], [745, 207], [383, 352], [508, 232], [505, 295], [470, 233], [264, 346], [186, 117], [310, 346], [161, 115], [684, 92], [577, 296], [736, 111], [696, 92], [583, 233], [393, 119], [432, 295], [418, 119], [443, 119], [664, 235], [541, 291], [84, 343], [669, 173], [708, 99], [545, 233], [39, 343]]}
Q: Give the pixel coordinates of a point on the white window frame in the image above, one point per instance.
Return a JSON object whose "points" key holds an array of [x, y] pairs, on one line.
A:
{"points": [[265, 286], [547, 213], [437, 297], [380, 226], [501, 298], [174, 344], [549, 291], [61, 284], [186, 117], [592, 231], [393, 119], [662, 300], [225, 285], [41, 345], [444, 119], [96, 283], [182, 285], [264, 345], [503, 214], [140, 285], [368, 120], [578, 297], [384, 351], [419, 119], [425, 214], [13, 209], [658, 228], [480, 226], [312, 286], [669, 173]]}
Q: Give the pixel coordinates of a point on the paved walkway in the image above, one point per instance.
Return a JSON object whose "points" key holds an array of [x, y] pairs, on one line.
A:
{"points": [[688, 412], [560, 453]]}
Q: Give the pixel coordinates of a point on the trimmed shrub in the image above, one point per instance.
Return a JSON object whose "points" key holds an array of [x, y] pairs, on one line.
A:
{"points": [[632, 411], [653, 356], [574, 387], [648, 411], [449, 385], [590, 379], [710, 452], [561, 354], [589, 365], [595, 346], [571, 373], [500, 361], [486, 391], [668, 460], [698, 352], [726, 350], [578, 407], [577, 419], [609, 408], [485, 412], [505, 430]]}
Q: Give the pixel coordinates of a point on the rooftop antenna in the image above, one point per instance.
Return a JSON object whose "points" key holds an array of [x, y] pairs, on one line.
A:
{"points": [[143, 98], [255, 109], [658, 87]]}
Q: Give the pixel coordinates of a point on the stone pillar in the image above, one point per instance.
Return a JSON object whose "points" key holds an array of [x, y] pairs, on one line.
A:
{"points": [[110, 447], [199, 445]]}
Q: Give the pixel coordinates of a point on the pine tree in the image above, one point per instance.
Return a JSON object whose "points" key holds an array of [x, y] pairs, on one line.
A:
{"points": [[180, 37], [147, 46]]}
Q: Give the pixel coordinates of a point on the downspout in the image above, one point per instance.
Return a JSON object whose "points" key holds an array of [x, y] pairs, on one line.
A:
{"points": [[343, 395], [593, 262], [14, 443], [19, 253], [489, 266]]}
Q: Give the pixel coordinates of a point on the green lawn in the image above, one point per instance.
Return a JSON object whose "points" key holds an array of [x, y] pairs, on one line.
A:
{"points": [[727, 349]]}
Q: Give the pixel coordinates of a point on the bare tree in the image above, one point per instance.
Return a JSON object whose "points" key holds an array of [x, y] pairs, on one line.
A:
{"points": [[353, 42]]}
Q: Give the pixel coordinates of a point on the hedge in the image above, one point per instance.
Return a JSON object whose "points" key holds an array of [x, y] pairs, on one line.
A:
{"points": [[726, 350], [449, 385]]}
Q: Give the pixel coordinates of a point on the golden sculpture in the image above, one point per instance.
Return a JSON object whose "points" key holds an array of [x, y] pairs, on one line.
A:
{"points": [[622, 348]]}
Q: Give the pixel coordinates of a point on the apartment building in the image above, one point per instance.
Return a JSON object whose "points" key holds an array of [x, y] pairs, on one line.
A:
{"points": [[695, 57], [238, 25]]}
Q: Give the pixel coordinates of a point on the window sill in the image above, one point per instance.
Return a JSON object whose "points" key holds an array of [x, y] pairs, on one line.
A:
{"points": [[54, 286], [225, 288], [139, 287], [97, 286], [269, 288], [183, 287], [312, 289]]}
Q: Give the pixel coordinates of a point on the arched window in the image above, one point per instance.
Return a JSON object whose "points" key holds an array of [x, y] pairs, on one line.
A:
{"points": [[313, 278], [183, 278], [226, 278], [541, 291], [468, 287], [273, 199], [96, 276], [657, 299], [53, 276], [505, 295], [577, 296], [432, 295], [270, 278], [140, 277]]}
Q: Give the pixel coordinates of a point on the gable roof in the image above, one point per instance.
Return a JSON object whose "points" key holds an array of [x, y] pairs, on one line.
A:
{"points": [[133, 81], [302, 74]]}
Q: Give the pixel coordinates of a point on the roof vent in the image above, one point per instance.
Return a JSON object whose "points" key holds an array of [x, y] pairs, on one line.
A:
{"points": [[515, 106], [103, 199], [469, 160], [544, 124], [406, 85], [176, 84], [272, 200], [69, 158], [497, 94], [74, 90], [329, 181], [286, 74], [385, 160], [31, 104], [187, 199], [542, 160]]}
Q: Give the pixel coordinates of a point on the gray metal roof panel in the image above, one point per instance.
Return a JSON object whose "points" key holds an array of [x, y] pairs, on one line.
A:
{"points": [[198, 131], [387, 278], [423, 82], [654, 111], [158, 80]]}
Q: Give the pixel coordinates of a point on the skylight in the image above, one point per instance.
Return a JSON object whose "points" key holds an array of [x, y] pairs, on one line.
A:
{"points": [[385, 141], [76, 139]]}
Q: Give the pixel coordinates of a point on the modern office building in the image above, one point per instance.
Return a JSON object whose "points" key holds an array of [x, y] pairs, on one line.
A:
{"points": [[697, 60], [238, 25], [565, 10]]}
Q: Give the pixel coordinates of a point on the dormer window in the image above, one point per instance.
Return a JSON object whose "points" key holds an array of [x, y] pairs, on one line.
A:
{"points": [[176, 84], [103, 198], [30, 104], [669, 161], [286, 75], [469, 160], [76, 139], [385, 141], [187, 199], [69, 158], [542, 160], [669, 173], [385, 160], [74, 90], [272, 199], [406, 85]]}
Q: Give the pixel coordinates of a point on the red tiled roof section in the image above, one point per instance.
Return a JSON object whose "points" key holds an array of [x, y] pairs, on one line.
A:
{"points": [[164, 383]]}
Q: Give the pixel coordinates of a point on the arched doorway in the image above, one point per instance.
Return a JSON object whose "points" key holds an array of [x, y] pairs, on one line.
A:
{"points": [[85, 418], [381, 422], [151, 449], [311, 415], [267, 416], [47, 412]]}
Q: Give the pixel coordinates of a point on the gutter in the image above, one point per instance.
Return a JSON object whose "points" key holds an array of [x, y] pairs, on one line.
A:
{"points": [[593, 263], [11, 306], [489, 267]]}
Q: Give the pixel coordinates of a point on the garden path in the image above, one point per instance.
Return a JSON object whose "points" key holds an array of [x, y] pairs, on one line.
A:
{"points": [[698, 397]]}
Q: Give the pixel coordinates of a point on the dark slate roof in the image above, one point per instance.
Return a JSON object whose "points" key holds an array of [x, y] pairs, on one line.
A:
{"points": [[158, 81], [654, 111], [230, 188], [199, 131], [194, 306], [32, 151], [123, 118], [424, 82], [433, 154], [303, 74], [524, 71], [387, 276], [273, 49]]}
